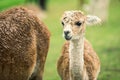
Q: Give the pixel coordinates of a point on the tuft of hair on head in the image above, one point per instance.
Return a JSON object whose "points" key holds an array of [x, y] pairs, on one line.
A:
{"points": [[91, 20]]}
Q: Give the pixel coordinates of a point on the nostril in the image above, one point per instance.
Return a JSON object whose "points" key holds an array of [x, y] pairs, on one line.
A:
{"points": [[66, 32]]}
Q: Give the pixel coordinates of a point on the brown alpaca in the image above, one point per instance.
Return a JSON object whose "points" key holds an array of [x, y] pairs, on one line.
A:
{"points": [[24, 43], [78, 60]]}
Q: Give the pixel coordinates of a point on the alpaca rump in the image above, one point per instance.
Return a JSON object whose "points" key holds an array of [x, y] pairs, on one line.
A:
{"points": [[24, 44]]}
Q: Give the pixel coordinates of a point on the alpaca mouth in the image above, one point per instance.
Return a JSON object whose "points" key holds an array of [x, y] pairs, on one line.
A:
{"points": [[68, 37]]}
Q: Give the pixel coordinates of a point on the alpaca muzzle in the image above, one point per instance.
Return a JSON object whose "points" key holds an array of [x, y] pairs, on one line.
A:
{"points": [[67, 35]]}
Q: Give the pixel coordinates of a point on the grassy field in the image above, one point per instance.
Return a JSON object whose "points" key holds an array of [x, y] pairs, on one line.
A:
{"points": [[105, 38]]}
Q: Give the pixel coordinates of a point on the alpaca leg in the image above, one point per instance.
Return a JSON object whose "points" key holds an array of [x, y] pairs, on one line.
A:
{"points": [[97, 74], [39, 69], [36, 74], [42, 50], [35, 78]]}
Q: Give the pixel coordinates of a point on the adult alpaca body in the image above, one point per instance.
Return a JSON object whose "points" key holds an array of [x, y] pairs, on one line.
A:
{"points": [[78, 60], [24, 43]]}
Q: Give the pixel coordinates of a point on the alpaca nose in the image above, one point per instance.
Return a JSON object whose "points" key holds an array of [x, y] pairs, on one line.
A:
{"points": [[67, 35], [66, 32]]}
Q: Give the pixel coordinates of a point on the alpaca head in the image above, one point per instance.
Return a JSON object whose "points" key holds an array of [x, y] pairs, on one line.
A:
{"points": [[74, 23]]}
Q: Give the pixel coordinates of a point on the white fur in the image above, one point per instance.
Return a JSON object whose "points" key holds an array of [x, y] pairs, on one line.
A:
{"points": [[68, 28], [76, 50], [91, 20]]}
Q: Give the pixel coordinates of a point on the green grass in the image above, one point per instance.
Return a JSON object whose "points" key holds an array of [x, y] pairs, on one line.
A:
{"points": [[4, 4], [105, 38]]}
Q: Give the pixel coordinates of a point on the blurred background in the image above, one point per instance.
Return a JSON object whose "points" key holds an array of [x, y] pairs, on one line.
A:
{"points": [[105, 38]]}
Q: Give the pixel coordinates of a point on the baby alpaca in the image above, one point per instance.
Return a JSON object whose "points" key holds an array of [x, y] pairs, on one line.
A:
{"points": [[78, 60]]}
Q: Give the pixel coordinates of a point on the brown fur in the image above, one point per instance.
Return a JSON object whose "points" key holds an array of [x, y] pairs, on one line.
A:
{"points": [[24, 43], [92, 63]]}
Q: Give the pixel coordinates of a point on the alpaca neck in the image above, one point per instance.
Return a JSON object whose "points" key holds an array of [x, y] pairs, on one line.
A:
{"points": [[76, 51]]}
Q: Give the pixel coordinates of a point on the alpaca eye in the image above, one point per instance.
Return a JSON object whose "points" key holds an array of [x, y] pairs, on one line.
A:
{"points": [[63, 23], [78, 23]]}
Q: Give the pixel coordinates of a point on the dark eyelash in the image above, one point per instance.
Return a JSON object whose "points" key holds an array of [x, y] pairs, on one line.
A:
{"points": [[63, 23], [78, 23]]}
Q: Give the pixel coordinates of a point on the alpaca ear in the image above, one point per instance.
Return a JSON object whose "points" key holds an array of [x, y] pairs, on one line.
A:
{"points": [[91, 20]]}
